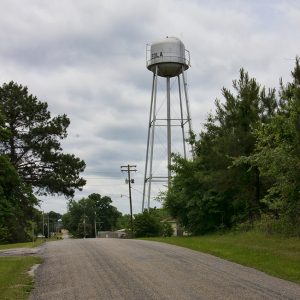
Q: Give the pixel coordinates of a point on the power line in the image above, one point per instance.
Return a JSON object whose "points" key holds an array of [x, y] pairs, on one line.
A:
{"points": [[137, 190]]}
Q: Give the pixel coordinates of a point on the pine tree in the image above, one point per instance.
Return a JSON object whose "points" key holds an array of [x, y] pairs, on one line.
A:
{"points": [[33, 145], [211, 192]]}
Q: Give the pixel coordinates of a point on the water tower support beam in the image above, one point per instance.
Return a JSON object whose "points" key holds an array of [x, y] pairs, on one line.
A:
{"points": [[181, 116], [152, 136], [187, 108], [148, 142], [169, 130]]}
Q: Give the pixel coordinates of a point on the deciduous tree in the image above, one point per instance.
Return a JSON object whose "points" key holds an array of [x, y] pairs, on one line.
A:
{"points": [[84, 213]]}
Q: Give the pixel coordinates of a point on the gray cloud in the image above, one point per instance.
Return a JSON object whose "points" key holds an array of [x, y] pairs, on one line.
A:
{"points": [[131, 133], [87, 59]]}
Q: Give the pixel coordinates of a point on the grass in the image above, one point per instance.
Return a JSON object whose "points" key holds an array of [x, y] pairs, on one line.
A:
{"points": [[15, 283], [38, 242], [274, 255]]}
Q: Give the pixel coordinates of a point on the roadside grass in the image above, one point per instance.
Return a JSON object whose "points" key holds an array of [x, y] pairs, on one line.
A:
{"points": [[15, 283], [36, 243], [274, 255]]}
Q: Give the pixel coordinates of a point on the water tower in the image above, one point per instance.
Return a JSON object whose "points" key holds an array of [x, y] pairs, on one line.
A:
{"points": [[166, 58]]}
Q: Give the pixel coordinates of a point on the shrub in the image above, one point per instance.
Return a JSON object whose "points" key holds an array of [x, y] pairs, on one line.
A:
{"points": [[147, 224], [282, 225], [166, 229]]}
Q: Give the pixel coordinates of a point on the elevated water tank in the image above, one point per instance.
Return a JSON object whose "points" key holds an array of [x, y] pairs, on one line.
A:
{"points": [[169, 55]]}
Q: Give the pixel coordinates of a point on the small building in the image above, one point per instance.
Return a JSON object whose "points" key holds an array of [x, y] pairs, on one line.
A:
{"points": [[177, 230], [118, 234]]}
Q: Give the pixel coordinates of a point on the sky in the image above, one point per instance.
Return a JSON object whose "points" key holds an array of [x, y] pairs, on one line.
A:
{"points": [[87, 59]]}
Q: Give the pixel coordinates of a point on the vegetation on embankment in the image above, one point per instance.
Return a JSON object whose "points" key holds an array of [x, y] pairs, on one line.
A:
{"points": [[15, 282], [274, 255], [246, 164]]}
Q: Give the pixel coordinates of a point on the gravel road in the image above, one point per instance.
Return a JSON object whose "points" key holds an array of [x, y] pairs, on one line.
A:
{"points": [[135, 269]]}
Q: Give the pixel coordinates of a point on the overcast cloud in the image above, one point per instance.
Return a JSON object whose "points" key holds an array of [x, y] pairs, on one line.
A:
{"points": [[87, 59]]}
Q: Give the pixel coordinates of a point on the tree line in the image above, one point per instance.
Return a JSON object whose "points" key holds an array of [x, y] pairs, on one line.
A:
{"points": [[89, 215], [32, 162], [246, 170]]}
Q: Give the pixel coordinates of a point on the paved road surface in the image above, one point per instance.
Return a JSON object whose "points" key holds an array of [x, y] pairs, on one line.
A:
{"points": [[134, 269]]}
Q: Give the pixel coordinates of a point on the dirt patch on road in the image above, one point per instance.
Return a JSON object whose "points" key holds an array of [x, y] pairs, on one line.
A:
{"points": [[20, 252]]}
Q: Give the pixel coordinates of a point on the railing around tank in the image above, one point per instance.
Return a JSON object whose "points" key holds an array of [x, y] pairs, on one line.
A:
{"points": [[166, 58]]}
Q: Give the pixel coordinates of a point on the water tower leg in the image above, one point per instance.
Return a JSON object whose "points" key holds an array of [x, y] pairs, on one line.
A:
{"points": [[152, 136], [187, 108], [181, 116], [169, 130], [148, 142]]}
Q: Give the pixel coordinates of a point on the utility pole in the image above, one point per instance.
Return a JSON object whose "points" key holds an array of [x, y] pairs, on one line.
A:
{"points": [[84, 227], [129, 169], [95, 224], [32, 232], [43, 224], [48, 227]]}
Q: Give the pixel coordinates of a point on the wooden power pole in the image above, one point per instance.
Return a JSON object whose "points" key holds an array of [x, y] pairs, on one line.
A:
{"points": [[129, 169]]}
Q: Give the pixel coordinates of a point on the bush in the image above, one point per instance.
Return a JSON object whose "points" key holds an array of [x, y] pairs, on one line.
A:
{"points": [[5, 235], [282, 225], [147, 224], [166, 229], [271, 225]]}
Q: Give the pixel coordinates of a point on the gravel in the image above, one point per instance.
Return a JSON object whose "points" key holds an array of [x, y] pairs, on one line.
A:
{"points": [[136, 269], [20, 252]]}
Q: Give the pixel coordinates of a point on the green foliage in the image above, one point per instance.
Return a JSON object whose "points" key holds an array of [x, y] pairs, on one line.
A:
{"points": [[16, 204], [209, 193], [81, 216], [152, 222], [33, 143], [147, 224], [4, 133], [50, 219], [123, 222], [31, 158], [166, 229], [247, 163], [276, 226], [15, 283], [277, 156], [17, 212]]}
